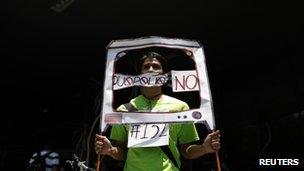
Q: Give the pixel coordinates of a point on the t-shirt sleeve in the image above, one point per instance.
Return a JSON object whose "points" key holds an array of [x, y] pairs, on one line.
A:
{"points": [[122, 108], [119, 133], [185, 106], [188, 134], [188, 131]]}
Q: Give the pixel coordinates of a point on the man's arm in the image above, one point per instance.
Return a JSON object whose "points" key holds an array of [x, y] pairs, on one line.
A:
{"points": [[103, 146], [118, 148], [210, 145]]}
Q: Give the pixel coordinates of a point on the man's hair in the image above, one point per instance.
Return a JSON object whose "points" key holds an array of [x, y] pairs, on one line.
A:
{"points": [[150, 54]]}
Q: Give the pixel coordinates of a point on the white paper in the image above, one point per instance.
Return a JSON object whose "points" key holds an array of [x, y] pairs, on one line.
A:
{"points": [[121, 81], [184, 81], [148, 135]]}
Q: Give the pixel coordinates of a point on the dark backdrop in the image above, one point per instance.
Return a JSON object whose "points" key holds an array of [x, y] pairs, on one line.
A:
{"points": [[53, 65]]}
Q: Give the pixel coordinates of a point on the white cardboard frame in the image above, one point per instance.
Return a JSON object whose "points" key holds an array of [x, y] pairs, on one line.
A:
{"points": [[203, 114]]}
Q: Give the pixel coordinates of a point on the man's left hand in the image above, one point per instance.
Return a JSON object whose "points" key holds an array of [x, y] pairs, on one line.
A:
{"points": [[212, 142]]}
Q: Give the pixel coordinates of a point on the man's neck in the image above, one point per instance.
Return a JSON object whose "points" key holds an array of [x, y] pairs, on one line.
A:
{"points": [[151, 93]]}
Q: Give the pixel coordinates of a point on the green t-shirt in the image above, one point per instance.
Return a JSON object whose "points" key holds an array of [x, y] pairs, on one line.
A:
{"points": [[153, 158]]}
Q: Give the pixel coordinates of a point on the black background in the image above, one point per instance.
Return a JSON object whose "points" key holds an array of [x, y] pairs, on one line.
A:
{"points": [[53, 65]]}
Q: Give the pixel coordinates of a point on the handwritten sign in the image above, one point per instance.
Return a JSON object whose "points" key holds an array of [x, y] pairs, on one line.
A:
{"points": [[148, 135], [184, 81], [149, 79]]}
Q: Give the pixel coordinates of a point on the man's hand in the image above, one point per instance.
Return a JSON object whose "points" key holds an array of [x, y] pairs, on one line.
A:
{"points": [[103, 145], [210, 145], [212, 142]]}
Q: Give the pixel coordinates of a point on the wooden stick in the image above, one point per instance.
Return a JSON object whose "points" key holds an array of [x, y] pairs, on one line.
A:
{"points": [[218, 162], [217, 157], [98, 163]]}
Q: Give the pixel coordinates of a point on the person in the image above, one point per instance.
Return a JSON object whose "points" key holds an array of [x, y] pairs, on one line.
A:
{"points": [[181, 135], [44, 160]]}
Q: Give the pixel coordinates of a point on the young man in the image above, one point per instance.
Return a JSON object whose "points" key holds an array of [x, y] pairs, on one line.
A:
{"points": [[180, 135]]}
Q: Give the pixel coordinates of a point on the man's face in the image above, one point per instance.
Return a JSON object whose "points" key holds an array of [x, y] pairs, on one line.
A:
{"points": [[151, 65]]}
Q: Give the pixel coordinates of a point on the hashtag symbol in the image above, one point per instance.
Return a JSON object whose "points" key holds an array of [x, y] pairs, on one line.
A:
{"points": [[134, 129]]}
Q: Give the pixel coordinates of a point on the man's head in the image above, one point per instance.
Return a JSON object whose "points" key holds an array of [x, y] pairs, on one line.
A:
{"points": [[152, 62]]}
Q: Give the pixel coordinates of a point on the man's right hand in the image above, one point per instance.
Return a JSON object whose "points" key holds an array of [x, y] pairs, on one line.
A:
{"points": [[103, 145]]}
